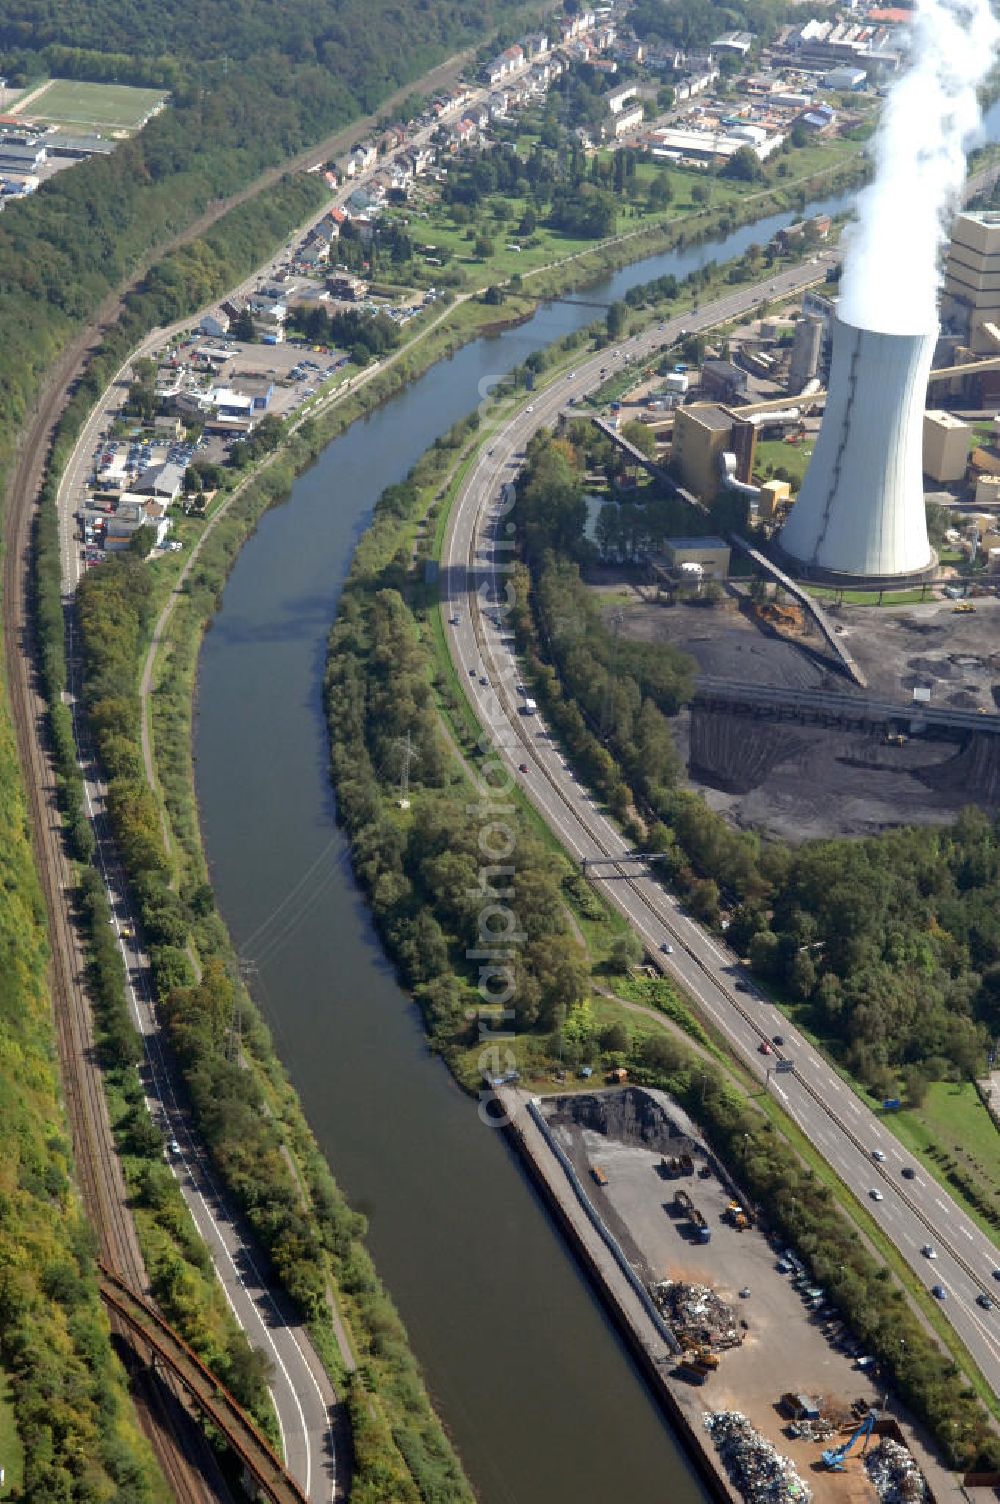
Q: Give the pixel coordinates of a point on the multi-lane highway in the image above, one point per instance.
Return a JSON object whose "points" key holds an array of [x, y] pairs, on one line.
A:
{"points": [[914, 1213]]}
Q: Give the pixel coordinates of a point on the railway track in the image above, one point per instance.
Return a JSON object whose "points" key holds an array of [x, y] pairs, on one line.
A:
{"points": [[622, 872], [181, 1450]]}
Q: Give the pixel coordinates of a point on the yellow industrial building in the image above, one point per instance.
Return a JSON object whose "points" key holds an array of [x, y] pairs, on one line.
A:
{"points": [[971, 293], [775, 496], [703, 433], [947, 441], [711, 554]]}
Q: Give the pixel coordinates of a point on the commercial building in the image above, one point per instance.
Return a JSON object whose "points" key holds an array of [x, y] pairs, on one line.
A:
{"points": [[971, 294], [947, 441], [845, 80]]}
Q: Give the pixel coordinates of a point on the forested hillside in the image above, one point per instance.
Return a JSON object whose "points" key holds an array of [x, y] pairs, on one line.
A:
{"points": [[367, 45]]}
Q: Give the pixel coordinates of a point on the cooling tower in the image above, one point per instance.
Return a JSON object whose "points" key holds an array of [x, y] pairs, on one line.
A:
{"points": [[860, 512]]}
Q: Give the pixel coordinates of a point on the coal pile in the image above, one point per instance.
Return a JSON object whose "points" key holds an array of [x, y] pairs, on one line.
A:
{"points": [[696, 1314], [758, 1470], [895, 1474]]}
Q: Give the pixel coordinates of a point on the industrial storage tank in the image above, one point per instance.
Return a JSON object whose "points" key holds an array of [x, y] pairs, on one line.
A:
{"points": [[860, 513]]}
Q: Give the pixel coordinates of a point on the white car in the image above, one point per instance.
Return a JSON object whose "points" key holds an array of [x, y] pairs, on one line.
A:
{"points": [[929, 1251], [876, 1194], [878, 1155]]}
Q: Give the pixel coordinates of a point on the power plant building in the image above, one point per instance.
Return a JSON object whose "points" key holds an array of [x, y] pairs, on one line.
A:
{"points": [[947, 441], [860, 513], [971, 293], [807, 352], [703, 435]]}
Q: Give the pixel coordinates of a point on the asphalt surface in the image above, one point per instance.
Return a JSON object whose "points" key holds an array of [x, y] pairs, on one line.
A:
{"points": [[476, 558]]}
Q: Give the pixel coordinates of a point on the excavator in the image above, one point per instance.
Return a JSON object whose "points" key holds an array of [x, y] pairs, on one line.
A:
{"points": [[833, 1457]]}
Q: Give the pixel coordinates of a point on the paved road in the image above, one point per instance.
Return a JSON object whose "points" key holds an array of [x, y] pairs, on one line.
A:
{"points": [[300, 1388], [476, 556]]}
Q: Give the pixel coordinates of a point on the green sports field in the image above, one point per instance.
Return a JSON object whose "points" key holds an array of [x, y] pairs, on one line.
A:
{"points": [[109, 107]]}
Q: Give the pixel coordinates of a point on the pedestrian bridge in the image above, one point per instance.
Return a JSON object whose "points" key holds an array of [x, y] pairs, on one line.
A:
{"points": [[149, 1330]]}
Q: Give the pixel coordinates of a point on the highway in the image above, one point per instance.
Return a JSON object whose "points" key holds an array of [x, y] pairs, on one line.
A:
{"points": [[477, 555]]}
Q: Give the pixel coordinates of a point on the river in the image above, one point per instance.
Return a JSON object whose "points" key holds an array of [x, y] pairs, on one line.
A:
{"points": [[533, 1384]]}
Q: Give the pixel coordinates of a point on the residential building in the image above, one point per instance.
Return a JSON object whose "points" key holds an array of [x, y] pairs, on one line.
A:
{"points": [[617, 99], [628, 121]]}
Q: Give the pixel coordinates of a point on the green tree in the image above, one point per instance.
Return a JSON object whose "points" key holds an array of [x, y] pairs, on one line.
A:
{"points": [[617, 320]]}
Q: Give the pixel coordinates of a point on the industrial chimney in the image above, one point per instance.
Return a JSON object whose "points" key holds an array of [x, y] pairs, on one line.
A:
{"points": [[860, 513]]}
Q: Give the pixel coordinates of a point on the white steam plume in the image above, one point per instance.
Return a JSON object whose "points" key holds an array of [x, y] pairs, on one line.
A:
{"points": [[891, 268]]}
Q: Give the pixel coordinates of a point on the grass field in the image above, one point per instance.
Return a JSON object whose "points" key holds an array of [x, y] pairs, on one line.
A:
{"points": [[94, 106], [11, 1454]]}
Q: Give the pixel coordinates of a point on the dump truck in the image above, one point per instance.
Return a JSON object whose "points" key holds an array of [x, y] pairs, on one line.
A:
{"points": [[598, 1175], [737, 1216], [686, 1163], [683, 1202], [694, 1371], [701, 1227], [670, 1167]]}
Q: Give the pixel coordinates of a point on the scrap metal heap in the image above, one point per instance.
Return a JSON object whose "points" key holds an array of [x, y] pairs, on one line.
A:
{"points": [[758, 1470], [895, 1474], [697, 1315]]}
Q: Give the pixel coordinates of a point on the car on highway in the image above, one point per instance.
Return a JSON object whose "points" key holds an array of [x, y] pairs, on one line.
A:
{"points": [[522, 767], [929, 1251], [483, 679], [985, 1302], [174, 1146], [765, 1048], [530, 407], [778, 1039], [908, 1172], [473, 672], [878, 1155], [876, 1194], [939, 1292], [667, 948], [454, 619]]}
